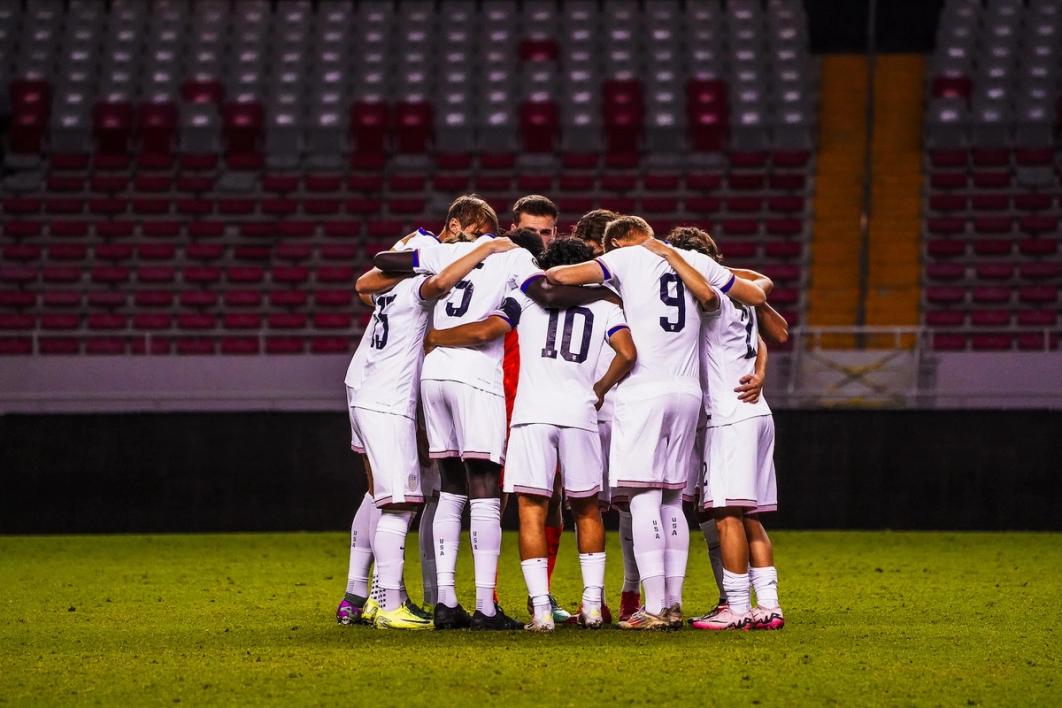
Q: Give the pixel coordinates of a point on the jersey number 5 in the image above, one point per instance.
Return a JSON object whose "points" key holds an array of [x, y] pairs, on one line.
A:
{"points": [[465, 287], [550, 350], [380, 329], [678, 301]]}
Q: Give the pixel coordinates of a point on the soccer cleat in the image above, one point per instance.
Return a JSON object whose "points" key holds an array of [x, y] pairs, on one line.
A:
{"points": [[348, 613], [606, 615], [500, 621], [724, 619], [542, 622], [369, 610], [718, 608], [645, 621], [422, 612], [451, 617], [402, 618], [590, 619], [560, 615], [630, 602], [767, 618], [673, 615]]}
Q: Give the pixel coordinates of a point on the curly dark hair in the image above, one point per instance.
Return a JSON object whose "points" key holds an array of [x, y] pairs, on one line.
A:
{"points": [[565, 251], [527, 238], [691, 238], [591, 225]]}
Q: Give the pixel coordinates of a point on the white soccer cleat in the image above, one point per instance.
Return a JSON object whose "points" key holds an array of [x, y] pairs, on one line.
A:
{"points": [[541, 622]]}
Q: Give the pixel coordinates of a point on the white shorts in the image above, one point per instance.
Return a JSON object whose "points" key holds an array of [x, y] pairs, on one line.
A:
{"points": [[653, 438], [463, 421], [698, 467], [533, 454], [356, 443], [604, 434], [741, 466], [391, 444]]}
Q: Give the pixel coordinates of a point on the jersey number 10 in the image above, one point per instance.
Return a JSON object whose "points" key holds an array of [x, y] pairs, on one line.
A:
{"points": [[550, 350]]}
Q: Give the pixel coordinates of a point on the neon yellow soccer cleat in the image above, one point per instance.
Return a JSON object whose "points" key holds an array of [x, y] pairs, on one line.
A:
{"points": [[402, 618], [369, 610]]}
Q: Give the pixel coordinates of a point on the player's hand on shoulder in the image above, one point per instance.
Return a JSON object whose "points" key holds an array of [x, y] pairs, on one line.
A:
{"points": [[407, 237], [656, 246], [502, 244], [750, 388]]}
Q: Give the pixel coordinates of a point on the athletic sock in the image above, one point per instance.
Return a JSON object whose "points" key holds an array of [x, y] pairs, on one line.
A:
{"points": [[593, 567], [765, 582], [485, 530], [715, 555], [677, 546], [390, 548], [737, 591], [630, 564], [536, 576], [649, 547], [447, 534], [426, 542], [553, 539], [360, 551], [374, 590]]}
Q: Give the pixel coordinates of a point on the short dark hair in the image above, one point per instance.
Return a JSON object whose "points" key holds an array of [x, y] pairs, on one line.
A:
{"points": [[534, 205], [624, 226], [472, 210], [527, 238], [591, 225], [565, 251], [691, 238]]}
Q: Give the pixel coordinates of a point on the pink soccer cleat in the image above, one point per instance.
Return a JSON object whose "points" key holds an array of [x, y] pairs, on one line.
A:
{"points": [[767, 618], [724, 619]]}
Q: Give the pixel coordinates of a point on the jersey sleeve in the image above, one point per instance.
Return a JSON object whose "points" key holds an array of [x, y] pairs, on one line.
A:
{"points": [[721, 301], [615, 321], [614, 265], [523, 270], [716, 275], [512, 307], [416, 282]]}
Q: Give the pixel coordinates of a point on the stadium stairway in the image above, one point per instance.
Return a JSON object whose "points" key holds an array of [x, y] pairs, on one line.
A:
{"points": [[895, 217], [834, 293]]}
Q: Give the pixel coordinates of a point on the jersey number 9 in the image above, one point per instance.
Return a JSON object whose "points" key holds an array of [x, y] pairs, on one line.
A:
{"points": [[678, 301]]}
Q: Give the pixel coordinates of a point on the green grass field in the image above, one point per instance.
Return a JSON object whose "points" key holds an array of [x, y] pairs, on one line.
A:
{"points": [[873, 618]]}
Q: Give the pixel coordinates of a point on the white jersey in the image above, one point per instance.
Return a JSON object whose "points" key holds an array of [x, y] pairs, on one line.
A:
{"points": [[559, 355], [664, 317], [471, 300], [731, 341], [355, 369]]}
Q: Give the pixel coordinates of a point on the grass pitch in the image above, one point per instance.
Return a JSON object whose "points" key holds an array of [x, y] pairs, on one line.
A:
{"points": [[873, 618]]}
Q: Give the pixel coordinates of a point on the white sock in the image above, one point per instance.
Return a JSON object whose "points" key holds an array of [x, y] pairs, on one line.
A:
{"points": [[536, 575], [649, 546], [593, 567], [446, 529], [715, 554], [426, 539], [375, 593], [360, 550], [390, 548], [485, 530], [765, 582], [677, 545], [737, 591], [630, 564]]}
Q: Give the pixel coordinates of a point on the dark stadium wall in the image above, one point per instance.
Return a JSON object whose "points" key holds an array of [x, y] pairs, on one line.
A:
{"points": [[282, 471], [901, 25]]}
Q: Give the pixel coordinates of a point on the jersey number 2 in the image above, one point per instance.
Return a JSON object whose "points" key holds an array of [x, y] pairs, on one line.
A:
{"points": [[550, 350], [678, 301]]}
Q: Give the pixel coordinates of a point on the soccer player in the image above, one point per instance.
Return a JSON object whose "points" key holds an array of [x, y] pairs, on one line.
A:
{"points": [[554, 421], [385, 412], [591, 230], [740, 481], [464, 406], [657, 407], [535, 214]]}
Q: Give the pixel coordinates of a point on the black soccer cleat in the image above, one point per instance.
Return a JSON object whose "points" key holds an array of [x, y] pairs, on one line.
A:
{"points": [[499, 622], [451, 617]]}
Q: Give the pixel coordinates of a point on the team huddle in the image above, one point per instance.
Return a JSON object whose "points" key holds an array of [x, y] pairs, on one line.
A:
{"points": [[603, 370]]}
